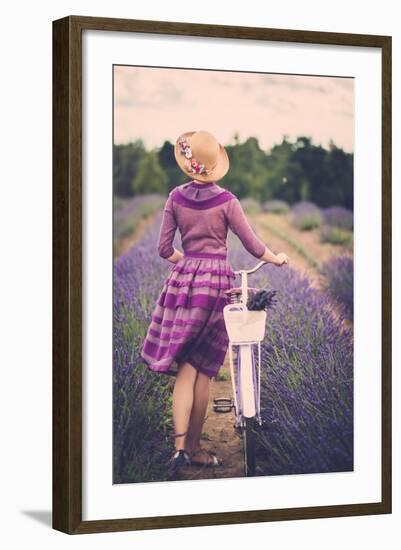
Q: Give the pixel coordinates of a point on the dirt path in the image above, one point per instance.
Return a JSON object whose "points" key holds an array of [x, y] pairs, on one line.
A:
{"points": [[219, 436]]}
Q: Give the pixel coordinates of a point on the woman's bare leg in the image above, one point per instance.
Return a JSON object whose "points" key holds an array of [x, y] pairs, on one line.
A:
{"points": [[199, 407], [183, 398]]}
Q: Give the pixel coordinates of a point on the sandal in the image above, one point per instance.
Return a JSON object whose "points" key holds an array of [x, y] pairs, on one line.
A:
{"points": [[212, 459], [179, 458]]}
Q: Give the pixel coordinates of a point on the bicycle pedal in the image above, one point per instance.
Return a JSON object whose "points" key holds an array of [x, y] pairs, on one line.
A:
{"points": [[223, 404]]}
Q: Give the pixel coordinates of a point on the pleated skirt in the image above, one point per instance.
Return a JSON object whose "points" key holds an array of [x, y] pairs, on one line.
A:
{"points": [[187, 323]]}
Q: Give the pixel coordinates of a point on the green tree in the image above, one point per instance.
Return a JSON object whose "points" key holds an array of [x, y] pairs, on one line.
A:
{"points": [[330, 173], [151, 177], [175, 176], [341, 167], [286, 178], [125, 166], [247, 174]]}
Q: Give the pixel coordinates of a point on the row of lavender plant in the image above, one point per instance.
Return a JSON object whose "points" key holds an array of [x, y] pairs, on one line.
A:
{"points": [[128, 212], [141, 399], [338, 216], [338, 280], [335, 224], [276, 206], [307, 376], [307, 215]]}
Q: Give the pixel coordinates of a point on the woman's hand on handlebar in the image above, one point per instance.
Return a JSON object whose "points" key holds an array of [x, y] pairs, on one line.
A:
{"points": [[281, 259], [276, 259]]}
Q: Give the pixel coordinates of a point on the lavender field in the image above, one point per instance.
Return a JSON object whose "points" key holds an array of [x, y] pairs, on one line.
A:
{"points": [[307, 371]]}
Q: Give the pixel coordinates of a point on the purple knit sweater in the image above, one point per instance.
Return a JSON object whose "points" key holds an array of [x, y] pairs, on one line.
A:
{"points": [[204, 212]]}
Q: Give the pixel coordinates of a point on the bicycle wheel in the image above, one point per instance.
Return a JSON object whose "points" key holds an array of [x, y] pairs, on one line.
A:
{"points": [[247, 384], [248, 434]]}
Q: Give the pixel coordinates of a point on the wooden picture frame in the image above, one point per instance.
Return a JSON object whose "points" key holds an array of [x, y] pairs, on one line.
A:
{"points": [[67, 273]]}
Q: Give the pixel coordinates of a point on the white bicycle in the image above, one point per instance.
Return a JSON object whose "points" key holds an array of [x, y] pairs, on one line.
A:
{"points": [[246, 330]]}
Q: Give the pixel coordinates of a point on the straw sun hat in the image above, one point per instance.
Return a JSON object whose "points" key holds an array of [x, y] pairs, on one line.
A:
{"points": [[200, 156]]}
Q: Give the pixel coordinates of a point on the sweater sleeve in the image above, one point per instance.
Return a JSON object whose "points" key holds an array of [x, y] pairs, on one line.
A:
{"points": [[239, 225], [167, 230]]}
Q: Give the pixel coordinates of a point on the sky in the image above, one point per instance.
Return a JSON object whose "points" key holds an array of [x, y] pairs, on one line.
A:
{"points": [[158, 104]]}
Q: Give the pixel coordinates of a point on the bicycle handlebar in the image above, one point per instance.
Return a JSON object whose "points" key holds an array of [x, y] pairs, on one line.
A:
{"points": [[249, 271]]}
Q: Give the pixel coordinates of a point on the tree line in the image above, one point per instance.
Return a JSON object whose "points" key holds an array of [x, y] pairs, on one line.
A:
{"points": [[290, 171]]}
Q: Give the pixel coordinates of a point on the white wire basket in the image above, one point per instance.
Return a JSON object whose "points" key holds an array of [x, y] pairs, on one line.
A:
{"points": [[244, 325]]}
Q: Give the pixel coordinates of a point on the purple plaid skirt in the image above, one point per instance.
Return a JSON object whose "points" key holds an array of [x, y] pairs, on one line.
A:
{"points": [[187, 324]]}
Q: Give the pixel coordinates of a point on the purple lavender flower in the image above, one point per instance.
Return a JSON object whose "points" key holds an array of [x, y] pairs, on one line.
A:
{"points": [[276, 206], [338, 216], [338, 280], [305, 215]]}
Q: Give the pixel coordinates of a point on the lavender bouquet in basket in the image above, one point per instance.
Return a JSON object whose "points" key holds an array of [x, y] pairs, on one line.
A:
{"points": [[262, 300]]}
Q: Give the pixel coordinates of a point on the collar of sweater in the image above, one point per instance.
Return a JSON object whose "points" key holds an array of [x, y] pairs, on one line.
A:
{"points": [[200, 191]]}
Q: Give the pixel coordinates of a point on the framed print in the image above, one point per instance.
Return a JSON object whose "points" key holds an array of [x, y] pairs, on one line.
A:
{"points": [[221, 274]]}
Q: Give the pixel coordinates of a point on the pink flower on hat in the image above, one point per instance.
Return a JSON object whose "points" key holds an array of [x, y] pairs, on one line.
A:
{"points": [[191, 164]]}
